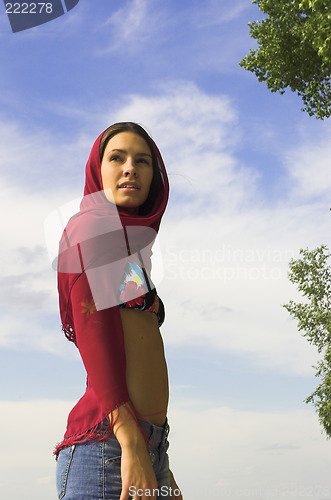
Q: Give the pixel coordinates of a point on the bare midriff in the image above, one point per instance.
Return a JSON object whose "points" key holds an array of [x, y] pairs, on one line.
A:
{"points": [[146, 368]]}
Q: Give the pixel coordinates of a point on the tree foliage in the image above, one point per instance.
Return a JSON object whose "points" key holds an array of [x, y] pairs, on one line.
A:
{"points": [[294, 51], [312, 275]]}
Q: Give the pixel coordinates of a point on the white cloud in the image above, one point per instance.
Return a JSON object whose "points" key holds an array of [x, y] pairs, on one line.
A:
{"points": [[130, 20], [35, 173], [134, 24], [190, 38], [225, 281], [214, 452], [35, 427], [309, 167], [178, 104], [248, 454], [221, 35], [34, 160], [214, 13]]}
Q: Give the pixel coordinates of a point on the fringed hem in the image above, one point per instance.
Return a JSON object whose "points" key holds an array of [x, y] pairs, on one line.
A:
{"points": [[97, 433], [102, 430], [69, 332]]}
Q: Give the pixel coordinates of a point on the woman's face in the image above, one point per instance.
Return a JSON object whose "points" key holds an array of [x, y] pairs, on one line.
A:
{"points": [[127, 170]]}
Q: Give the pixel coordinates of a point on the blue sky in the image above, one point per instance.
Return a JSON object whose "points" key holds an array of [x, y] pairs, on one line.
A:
{"points": [[250, 184]]}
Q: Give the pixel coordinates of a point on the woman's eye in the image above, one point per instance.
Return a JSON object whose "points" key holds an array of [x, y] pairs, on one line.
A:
{"points": [[119, 159], [115, 158], [144, 161]]}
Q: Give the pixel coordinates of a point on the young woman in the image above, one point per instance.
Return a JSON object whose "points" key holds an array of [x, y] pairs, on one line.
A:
{"points": [[115, 445]]}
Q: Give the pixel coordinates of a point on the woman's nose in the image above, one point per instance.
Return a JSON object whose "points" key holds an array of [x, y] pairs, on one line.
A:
{"points": [[129, 167]]}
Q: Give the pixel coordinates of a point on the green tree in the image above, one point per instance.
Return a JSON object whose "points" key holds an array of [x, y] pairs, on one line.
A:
{"points": [[312, 275], [294, 51]]}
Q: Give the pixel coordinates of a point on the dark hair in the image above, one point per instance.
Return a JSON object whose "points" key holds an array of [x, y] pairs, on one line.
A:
{"points": [[156, 183]]}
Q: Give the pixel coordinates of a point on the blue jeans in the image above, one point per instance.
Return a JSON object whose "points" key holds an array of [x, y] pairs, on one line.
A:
{"points": [[92, 470]]}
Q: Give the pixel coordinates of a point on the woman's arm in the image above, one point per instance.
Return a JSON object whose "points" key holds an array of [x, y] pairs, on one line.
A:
{"points": [[136, 469]]}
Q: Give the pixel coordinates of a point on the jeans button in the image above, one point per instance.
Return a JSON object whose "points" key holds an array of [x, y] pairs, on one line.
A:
{"points": [[152, 457]]}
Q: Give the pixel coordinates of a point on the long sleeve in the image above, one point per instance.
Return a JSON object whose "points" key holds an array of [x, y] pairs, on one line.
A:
{"points": [[100, 340]]}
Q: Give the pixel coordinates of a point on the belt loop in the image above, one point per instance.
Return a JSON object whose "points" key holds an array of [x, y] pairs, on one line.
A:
{"points": [[165, 432]]}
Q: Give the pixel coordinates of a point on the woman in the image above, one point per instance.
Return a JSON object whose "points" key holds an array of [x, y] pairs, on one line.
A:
{"points": [[116, 439]]}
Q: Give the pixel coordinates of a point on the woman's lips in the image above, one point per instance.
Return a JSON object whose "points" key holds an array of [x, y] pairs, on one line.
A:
{"points": [[129, 187]]}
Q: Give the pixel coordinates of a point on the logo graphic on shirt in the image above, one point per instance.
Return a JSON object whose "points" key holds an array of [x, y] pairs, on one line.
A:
{"points": [[24, 15], [132, 286]]}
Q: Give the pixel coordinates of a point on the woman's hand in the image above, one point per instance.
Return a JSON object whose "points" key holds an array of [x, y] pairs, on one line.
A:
{"points": [[138, 478], [174, 488]]}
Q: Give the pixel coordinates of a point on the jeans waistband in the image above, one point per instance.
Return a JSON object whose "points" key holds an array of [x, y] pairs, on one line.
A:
{"points": [[156, 435]]}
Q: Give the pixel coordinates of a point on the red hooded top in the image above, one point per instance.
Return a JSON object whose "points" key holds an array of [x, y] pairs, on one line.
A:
{"points": [[93, 251]]}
